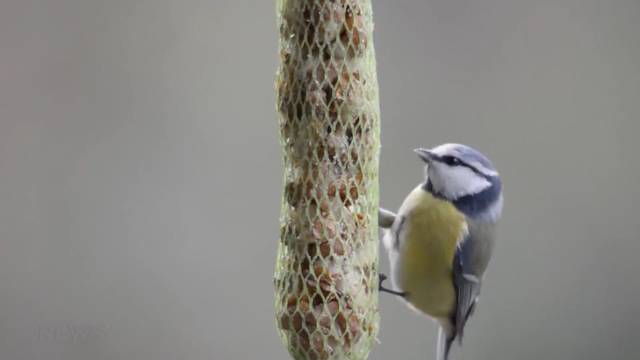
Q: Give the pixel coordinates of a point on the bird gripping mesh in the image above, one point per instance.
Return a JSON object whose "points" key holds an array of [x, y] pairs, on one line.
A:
{"points": [[327, 100]]}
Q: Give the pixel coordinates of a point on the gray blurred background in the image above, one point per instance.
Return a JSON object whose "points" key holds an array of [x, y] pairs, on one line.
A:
{"points": [[140, 173]]}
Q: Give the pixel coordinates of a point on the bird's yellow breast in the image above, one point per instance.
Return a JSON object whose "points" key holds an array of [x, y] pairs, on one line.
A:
{"points": [[428, 240]]}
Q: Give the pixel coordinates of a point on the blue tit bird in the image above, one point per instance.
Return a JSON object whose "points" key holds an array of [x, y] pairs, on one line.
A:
{"points": [[440, 241]]}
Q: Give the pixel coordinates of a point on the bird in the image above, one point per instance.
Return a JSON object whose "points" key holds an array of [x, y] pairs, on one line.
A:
{"points": [[441, 239]]}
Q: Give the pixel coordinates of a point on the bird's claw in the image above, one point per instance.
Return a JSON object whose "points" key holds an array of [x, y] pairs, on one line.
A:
{"points": [[381, 279]]}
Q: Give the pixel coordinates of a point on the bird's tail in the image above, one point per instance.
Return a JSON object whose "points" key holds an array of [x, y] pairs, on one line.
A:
{"points": [[444, 344]]}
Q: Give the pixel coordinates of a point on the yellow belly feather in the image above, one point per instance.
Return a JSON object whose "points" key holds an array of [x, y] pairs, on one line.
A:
{"points": [[433, 228]]}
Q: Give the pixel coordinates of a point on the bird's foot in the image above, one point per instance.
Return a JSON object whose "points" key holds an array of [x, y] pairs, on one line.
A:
{"points": [[381, 279]]}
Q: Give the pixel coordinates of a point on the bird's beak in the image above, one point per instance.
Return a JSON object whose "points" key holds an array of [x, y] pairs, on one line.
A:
{"points": [[426, 155]]}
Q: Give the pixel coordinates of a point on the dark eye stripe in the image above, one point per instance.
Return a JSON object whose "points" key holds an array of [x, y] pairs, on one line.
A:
{"points": [[451, 160], [454, 161]]}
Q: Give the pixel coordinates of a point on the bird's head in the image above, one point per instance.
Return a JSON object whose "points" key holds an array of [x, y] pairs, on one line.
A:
{"points": [[462, 175]]}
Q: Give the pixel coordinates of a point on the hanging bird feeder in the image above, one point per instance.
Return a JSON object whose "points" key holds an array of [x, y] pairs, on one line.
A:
{"points": [[327, 98]]}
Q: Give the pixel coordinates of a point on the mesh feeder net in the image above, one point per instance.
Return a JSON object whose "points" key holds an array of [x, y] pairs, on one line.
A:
{"points": [[327, 99]]}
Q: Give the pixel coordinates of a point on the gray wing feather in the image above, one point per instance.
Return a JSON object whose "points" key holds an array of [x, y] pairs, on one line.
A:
{"points": [[385, 218], [467, 285]]}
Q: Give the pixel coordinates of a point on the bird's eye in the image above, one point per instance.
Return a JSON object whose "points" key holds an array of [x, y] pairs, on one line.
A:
{"points": [[451, 160]]}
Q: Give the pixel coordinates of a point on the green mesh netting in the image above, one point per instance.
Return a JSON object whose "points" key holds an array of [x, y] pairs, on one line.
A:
{"points": [[327, 266]]}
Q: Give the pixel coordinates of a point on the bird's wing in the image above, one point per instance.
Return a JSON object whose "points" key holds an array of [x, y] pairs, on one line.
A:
{"points": [[466, 282], [385, 218]]}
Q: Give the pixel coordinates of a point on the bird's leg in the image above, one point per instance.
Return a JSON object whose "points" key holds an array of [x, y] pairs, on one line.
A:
{"points": [[381, 279]]}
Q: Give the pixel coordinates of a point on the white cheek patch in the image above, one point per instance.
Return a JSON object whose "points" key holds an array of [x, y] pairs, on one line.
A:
{"points": [[456, 181]]}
